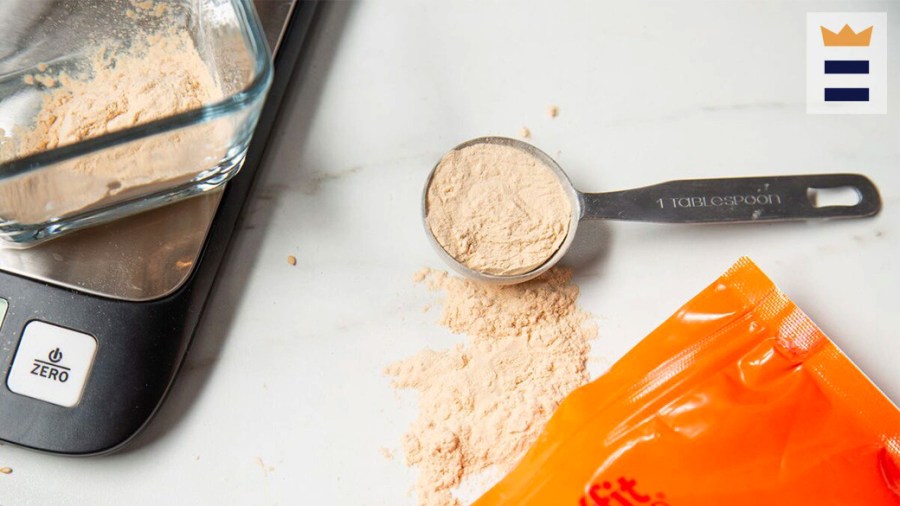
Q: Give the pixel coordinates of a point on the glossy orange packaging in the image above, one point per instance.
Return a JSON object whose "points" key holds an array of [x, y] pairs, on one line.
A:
{"points": [[738, 399]]}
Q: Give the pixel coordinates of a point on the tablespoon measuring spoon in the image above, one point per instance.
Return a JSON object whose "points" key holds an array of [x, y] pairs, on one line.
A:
{"points": [[725, 200]]}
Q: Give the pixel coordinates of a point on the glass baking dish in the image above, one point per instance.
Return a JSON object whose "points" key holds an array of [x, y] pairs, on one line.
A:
{"points": [[55, 53]]}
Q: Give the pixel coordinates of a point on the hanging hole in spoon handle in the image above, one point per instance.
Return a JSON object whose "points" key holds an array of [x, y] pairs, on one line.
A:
{"points": [[733, 200]]}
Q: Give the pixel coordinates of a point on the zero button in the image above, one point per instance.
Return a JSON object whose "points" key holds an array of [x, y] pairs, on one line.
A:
{"points": [[52, 363]]}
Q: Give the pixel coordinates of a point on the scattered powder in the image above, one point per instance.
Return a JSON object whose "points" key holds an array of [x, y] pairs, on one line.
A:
{"points": [[266, 469], [553, 111], [292, 260], [484, 402], [496, 209], [46, 80], [387, 453], [525, 133], [155, 76], [420, 275], [6, 470]]}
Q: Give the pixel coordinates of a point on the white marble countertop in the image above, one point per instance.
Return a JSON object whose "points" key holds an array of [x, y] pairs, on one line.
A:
{"points": [[282, 399]]}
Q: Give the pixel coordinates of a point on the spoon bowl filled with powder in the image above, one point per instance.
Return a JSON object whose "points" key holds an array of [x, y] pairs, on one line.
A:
{"points": [[500, 210]]}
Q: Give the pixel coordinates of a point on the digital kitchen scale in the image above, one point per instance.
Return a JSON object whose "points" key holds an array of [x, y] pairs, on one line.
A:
{"points": [[95, 325]]}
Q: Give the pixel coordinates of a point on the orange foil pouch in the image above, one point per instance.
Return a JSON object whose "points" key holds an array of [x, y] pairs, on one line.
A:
{"points": [[737, 399]]}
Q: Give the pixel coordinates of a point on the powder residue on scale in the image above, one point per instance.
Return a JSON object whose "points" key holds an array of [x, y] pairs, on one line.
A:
{"points": [[155, 75], [497, 209], [483, 402]]}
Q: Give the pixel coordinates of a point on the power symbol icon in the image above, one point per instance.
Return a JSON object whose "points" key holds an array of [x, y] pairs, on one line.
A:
{"points": [[55, 355]]}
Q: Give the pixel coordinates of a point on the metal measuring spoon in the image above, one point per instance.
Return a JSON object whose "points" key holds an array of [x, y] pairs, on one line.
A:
{"points": [[726, 200]]}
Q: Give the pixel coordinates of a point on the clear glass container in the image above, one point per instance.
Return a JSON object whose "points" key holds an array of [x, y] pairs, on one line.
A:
{"points": [[89, 70]]}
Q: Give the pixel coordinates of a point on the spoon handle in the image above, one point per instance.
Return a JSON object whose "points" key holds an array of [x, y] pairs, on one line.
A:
{"points": [[743, 199]]}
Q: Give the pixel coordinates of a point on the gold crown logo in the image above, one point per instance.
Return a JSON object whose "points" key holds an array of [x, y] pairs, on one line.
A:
{"points": [[846, 37]]}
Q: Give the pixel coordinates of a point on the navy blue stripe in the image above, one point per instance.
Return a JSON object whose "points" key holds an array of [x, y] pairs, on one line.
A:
{"points": [[846, 66], [846, 94]]}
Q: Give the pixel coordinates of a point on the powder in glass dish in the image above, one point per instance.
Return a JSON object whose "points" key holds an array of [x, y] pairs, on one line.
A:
{"points": [[484, 402], [156, 75], [497, 209]]}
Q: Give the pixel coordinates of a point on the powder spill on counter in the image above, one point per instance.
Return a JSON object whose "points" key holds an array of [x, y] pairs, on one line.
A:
{"points": [[484, 402], [497, 209]]}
